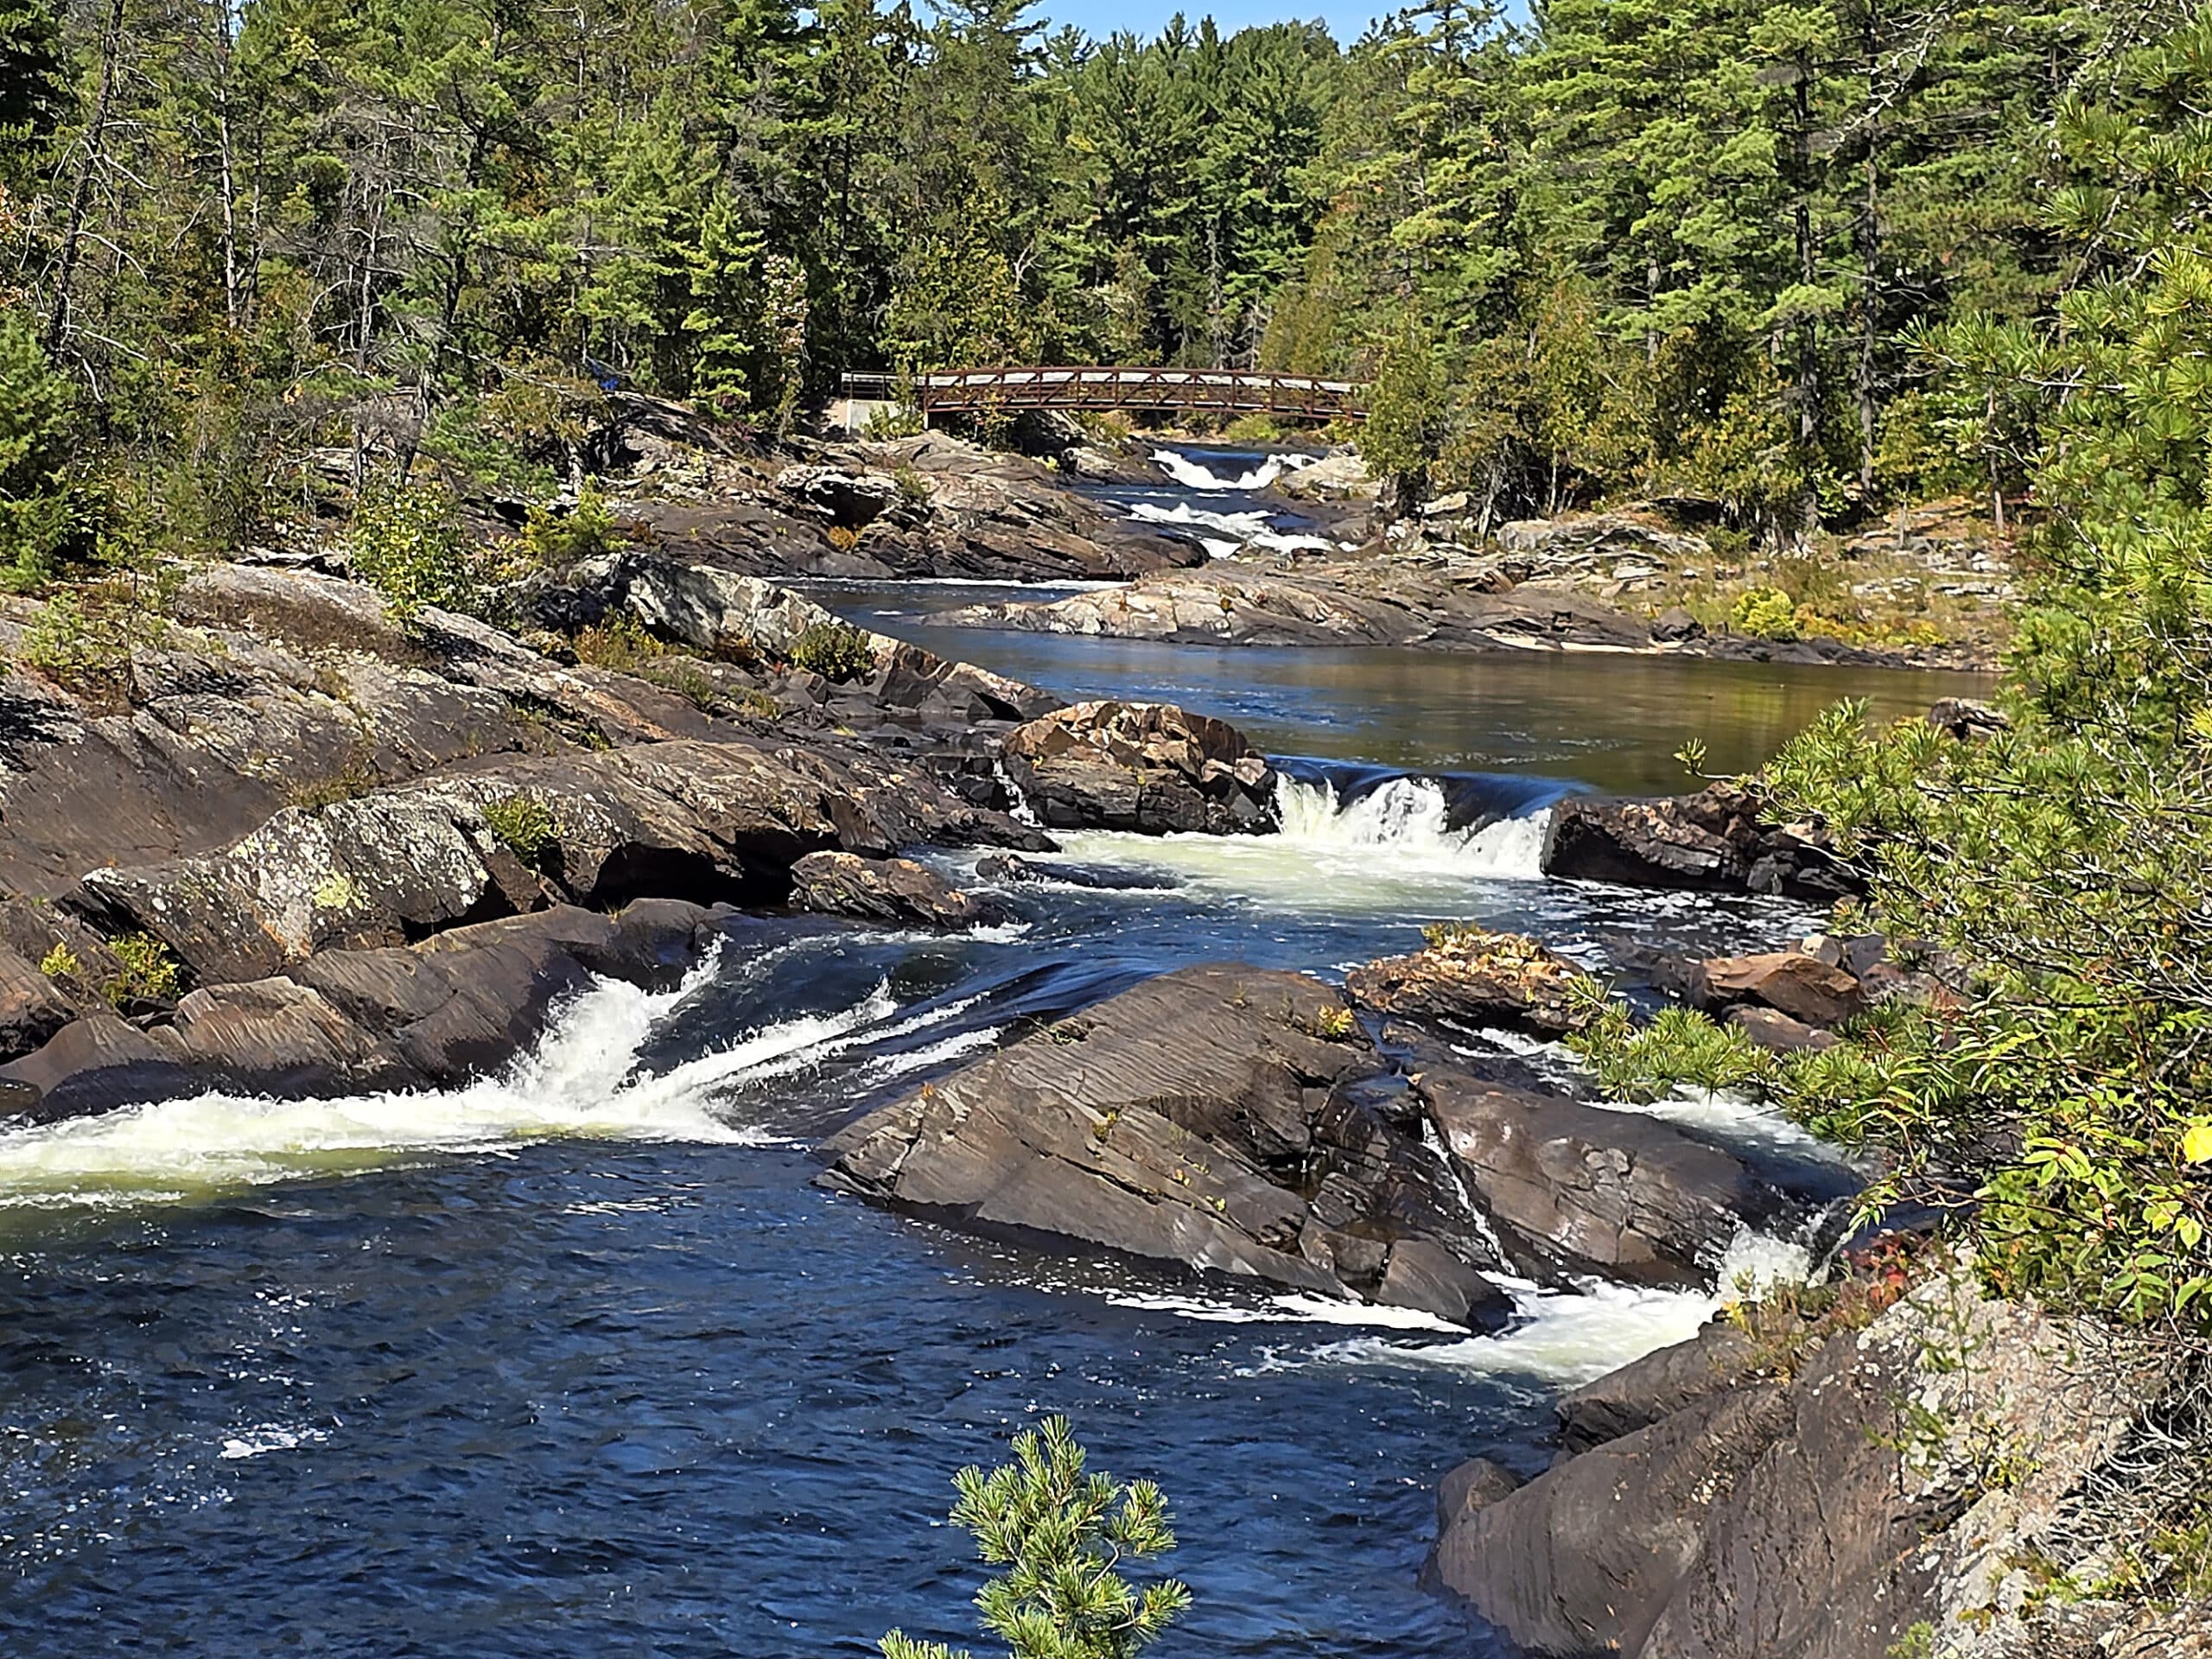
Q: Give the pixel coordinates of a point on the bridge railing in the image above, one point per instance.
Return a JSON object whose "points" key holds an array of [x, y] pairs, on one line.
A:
{"points": [[1077, 386]]}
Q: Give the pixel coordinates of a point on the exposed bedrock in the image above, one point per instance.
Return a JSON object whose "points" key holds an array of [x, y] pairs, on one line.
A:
{"points": [[1823, 1499], [928, 505], [1589, 1189], [1713, 841], [1217, 1118], [346, 1020], [896, 891], [282, 773], [1148, 766]]}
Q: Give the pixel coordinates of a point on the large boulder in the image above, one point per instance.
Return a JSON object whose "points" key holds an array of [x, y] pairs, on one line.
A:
{"points": [[1147, 766], [1181, 1123], [1475, 977], [1594, 1191], [847, 499], [1601, 547], [1797, 984], [895, 891], [1713, 841], [1913, 1473], [1650, 1389], [32, 1007]]}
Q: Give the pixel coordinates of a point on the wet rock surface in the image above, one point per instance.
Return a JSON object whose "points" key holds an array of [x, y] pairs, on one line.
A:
{"points": [[1209, 1119], [897, 891], [1613, 1192]]}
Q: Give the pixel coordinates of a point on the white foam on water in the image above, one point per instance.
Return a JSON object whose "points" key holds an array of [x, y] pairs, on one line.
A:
{"points": [[579, 1080], [1300, 1307], [269, 1437], [1193, 476], [1565, 1337], [1277, 541], [1391, 852], [957, 1046], [1409, 817], [1733, 1117], [1245, 526]]}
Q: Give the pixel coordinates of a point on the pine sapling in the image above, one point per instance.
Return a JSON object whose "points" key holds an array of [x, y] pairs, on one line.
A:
{"points": [[1061, 1535]]}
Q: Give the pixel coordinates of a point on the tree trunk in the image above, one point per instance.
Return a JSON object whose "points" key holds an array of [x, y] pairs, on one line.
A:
{"points": [[95, 143]]}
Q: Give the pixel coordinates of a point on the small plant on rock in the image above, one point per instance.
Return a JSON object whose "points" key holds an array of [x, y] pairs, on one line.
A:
{"points": [[913, 484], [1061, 1533], [525, 823], [552, 539], [61, 962], [836, 651], [149, 973], [1336, 1025]]}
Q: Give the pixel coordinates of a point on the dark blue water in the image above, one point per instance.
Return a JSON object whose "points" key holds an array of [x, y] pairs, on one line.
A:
{"points": [[345, 1380]]}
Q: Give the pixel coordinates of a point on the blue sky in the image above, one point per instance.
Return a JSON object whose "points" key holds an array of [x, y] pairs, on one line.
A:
{"points": [[1346, 18]]}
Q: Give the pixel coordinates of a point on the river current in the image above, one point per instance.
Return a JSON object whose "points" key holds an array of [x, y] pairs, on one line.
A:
{"points": [[576, 1362]]}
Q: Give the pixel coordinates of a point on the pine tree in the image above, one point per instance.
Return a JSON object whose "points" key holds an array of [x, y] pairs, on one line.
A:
{"points": [[1061, 1533]]}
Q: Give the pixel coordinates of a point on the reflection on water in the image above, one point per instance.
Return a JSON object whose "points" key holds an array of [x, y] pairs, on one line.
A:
{"points": [[1610, 721]]}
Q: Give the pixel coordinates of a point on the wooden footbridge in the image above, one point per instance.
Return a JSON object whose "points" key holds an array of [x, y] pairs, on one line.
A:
{"points": [[975, 391]]}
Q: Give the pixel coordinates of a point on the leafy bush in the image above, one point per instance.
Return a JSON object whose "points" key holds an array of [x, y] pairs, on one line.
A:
{"points": [[836, 651], [551, 540], [1764, 613], [1061, 1533], [407, 543], [149, 973], [619, 643], [525, 823], [61, 962], [915, 485]]}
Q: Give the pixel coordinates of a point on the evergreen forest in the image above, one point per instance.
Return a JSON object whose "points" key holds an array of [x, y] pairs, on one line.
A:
{"points": [[1724, 249]]}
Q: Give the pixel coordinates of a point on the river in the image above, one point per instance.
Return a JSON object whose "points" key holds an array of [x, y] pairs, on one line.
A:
{"points": [[576, 1362]]}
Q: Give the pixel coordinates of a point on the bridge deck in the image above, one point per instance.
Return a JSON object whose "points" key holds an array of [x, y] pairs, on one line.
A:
{"points": [[972, 390]]}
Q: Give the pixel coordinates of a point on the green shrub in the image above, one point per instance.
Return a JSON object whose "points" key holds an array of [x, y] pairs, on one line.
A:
{"points": [[913, 484], [149, 973], [891, 422], [1764, 613], [836, 651], [525, 823], [1061, 1533], [61, 962], [83, 638], [552, 539], [407, 543], [36, 403]]}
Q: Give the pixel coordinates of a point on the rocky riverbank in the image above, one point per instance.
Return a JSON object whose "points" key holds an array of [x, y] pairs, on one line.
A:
{"points": [[1423, 600]]}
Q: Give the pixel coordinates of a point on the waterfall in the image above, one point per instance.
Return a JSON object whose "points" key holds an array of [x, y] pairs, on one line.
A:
{"points": [[1409, 818]]}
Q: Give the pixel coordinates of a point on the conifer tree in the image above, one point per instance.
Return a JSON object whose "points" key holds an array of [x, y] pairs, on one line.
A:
{"points": [[1061, 1533]]}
